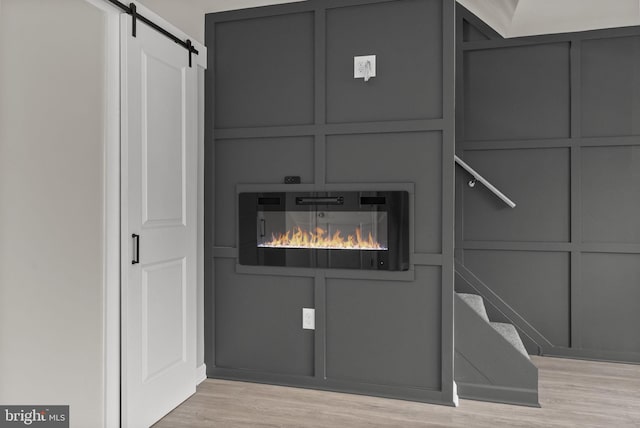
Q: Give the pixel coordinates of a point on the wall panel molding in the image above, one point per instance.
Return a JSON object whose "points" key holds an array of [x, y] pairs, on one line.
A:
{"points": [[397, 128], [602, 197]]}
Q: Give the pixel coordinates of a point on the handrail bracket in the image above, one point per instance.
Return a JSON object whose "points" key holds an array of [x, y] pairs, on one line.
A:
{"points": [[477, 177]]}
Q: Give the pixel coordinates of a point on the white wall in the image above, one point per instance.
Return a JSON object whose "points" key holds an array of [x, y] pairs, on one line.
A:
{"points": [[52, 134], [189, 15]]}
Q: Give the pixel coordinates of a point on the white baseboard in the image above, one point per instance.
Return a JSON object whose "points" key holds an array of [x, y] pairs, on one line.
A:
{"points": [[201, 374], [456, 399]]}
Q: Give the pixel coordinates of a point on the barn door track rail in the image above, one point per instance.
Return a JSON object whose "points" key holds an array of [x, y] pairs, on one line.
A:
{"points": [[131, 10]]}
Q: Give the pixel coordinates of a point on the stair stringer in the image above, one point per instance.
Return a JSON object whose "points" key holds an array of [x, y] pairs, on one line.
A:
{"points": [[473, 284], [487, 366]]}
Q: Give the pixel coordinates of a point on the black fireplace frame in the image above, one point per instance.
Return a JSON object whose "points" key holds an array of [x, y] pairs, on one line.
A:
{"points": [[394, 203]]}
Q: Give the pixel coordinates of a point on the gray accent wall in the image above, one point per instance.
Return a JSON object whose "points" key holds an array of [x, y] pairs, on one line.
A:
{"points": [[281, 100], [554, 122]]}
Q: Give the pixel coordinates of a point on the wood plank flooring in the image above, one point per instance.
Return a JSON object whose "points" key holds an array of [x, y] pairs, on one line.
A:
{"points": [[573, 393]]}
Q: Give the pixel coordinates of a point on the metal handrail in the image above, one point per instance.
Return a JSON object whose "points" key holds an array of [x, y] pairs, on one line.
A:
{"points": [[486, 183]]}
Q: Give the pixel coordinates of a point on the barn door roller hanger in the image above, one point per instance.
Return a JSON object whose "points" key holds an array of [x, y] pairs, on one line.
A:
{"points": [[135, 16]]}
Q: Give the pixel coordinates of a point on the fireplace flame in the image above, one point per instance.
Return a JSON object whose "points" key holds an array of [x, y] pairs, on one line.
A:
{"points": [[321, 239]]}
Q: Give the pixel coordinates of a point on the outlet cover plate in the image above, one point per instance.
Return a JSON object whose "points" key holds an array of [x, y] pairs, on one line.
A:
{"points": [[359, 63], [308, 318]]}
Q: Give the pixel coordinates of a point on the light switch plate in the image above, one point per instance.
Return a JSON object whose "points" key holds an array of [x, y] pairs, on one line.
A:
{"points": [[308, 318], [359, 63]]}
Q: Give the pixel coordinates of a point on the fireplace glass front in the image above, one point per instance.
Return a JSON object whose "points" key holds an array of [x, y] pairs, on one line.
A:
{"points": [[349, 230]]}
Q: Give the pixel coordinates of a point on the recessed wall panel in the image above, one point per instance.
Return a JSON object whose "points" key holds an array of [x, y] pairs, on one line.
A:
{"points": [[537, 180], [413, 157], [163, 324], [517, 93], [611, 194], [264, 71], [406, 38], [163, 143], [534, 284], [258, 160], [608, 302], [610, 86], [385, 332], [258, 322]]}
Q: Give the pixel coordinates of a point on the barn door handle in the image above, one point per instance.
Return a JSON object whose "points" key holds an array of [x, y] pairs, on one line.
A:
{"points": [[136, 259]]}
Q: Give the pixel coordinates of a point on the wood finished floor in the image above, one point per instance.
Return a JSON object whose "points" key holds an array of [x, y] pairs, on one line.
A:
{"points": [[573, 393]]}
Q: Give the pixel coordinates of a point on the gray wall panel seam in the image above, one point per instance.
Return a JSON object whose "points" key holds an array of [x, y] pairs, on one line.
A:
{"points": [[337, 4], [519, 246], [512, 144], [562, 247], [575, 87], [320, 94], [209, 219], [552, 38], [320, 164], [320, 336], [459, 130], [575, 169], [448, 189], [574, 300], [396, 126]]}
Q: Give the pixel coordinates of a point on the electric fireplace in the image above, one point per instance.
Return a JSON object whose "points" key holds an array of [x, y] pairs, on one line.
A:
{"points": [[346, 230]]}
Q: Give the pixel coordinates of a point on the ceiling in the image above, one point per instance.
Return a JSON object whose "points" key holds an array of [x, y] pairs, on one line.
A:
{"points": [[514, 18]]}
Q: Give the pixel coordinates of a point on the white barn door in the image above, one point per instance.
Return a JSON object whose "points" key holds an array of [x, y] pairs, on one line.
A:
{"points": [[159, 179]]}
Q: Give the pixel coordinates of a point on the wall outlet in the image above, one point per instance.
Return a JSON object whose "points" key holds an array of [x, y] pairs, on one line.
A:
{"points": [[360, 66], [308, 318]]}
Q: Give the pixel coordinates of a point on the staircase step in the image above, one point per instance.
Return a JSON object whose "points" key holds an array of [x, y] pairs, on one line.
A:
{"points": [[477, 304], [509, 332]]}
